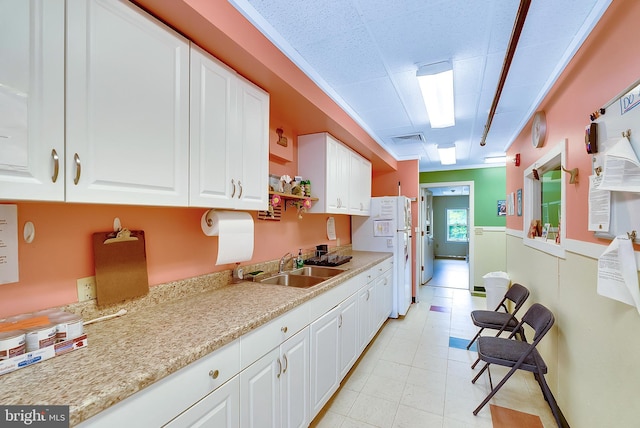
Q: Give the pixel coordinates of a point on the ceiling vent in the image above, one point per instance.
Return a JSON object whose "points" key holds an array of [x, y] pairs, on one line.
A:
{"points": [[409, 139]]}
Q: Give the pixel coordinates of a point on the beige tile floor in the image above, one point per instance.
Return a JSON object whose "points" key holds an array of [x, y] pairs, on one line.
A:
{"points": [[410, 377]]}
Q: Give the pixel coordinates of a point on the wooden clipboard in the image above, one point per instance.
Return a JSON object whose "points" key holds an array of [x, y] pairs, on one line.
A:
{"points": [[121, 266]]}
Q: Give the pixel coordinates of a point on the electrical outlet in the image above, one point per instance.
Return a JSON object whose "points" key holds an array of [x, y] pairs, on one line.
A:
{"points": [[86, 288]]}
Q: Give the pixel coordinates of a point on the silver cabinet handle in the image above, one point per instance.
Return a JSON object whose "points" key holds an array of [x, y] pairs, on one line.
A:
{"points": [[76, 159], [286, 363], [279, 368], [214, 374], [233, 192], [368, 294], [240, 185], [56, 165], [340, 321]]}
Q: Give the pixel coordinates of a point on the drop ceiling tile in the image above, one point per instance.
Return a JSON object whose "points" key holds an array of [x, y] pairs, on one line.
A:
{"points": [[369, 94], [345, 58], [308, 23]]}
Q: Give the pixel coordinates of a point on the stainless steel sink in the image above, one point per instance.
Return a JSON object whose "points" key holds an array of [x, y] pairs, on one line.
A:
{"points": [[320, 271], [298, 281]]}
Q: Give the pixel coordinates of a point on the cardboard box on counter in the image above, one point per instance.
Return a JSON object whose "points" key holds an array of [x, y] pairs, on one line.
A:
{"points": [[30, 358]]}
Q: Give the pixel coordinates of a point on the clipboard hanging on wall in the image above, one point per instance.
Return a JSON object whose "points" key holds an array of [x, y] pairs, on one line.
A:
{"points": [[121, 266]]}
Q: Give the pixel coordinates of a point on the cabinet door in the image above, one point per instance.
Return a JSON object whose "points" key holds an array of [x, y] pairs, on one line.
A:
{"points": [[32, 99], [348, 325], [127, 106], [360, 185], [260, 392], [384, 294], [337, 176], [218, 409], [366, 314], [294, 382], [213, 123], [365, 187], [251, 161], [325, 347]]}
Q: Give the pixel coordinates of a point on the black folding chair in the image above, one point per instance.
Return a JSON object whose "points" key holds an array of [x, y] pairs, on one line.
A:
{"points": [[501, 321], [520, 355]]}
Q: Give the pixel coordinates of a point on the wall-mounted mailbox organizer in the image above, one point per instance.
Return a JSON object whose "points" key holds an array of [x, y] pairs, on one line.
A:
{"points": [[614, 186]]}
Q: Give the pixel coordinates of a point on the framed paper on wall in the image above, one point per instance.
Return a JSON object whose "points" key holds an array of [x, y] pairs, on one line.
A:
{"points": [[519, 201], [502, 207]]}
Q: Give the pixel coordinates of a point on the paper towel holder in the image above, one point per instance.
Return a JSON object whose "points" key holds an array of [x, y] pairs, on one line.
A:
{"points": [[208, 218]]}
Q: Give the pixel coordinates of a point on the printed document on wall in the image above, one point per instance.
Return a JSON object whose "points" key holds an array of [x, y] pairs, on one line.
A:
{"points": [[618, 274], [8, 244], [599, 205], [621, 168]]}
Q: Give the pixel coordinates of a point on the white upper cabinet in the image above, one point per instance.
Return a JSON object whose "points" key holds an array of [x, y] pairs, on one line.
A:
{"points": [[32, 99], [337, 175], [127, 118], [359, 185], [229, 137]]}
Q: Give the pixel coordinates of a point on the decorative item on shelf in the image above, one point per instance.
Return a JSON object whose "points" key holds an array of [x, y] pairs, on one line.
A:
{"points": [[306, 185], [303, 206], [297, 190], [281, 140], [286, 184], [274, 212]]}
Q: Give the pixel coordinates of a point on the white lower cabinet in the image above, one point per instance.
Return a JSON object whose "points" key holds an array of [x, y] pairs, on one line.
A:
{"points": [[348, 333], [325, 359], [279, 375], [384, 285], [194, 392], [219, 409], [366, 313], [274, 390]]}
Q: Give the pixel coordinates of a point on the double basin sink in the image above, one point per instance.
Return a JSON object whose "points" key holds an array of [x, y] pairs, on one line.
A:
{"points": [[304, 277]]}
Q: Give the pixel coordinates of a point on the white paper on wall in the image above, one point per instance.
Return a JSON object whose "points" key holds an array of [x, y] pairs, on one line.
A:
{"points": [[8, 244], [599, 206], [618, 274]]}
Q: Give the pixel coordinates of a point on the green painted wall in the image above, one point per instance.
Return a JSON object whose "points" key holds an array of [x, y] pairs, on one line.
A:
{"points": [[489, 186]]}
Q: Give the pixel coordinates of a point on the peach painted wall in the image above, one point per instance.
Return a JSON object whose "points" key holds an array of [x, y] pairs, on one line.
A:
{"points": [[386, 184], [176, 248], [175, 245], [603, 67]]}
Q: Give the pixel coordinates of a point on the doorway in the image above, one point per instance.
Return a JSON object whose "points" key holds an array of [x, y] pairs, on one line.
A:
{"points": [[445, 250]]}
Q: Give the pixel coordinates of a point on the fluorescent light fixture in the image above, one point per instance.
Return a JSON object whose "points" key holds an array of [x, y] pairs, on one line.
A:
{"points": [[436, 84], [447, 154], [495, 159]]}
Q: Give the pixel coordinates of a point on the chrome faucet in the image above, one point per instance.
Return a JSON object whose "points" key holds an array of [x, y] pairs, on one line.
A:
{"points": [[283, 260]]}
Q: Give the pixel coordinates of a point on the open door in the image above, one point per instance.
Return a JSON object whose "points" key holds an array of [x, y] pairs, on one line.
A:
{"points": [[427, 236]]}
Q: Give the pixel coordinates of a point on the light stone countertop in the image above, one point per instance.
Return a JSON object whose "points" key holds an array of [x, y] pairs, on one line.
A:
{"points": [[127, 354]]}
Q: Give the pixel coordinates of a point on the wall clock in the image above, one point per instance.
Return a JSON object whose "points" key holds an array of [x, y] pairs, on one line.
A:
{"points": [[538, 129]]}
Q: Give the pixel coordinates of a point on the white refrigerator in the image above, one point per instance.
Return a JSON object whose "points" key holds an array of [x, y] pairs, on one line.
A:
{"points": [[388, 229]]}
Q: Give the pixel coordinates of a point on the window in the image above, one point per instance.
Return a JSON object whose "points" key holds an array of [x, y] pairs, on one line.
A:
{"points": [[544, 191], [456, 225]]}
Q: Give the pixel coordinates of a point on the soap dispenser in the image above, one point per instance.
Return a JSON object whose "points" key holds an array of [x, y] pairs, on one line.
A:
{"points": [[299, 261]]}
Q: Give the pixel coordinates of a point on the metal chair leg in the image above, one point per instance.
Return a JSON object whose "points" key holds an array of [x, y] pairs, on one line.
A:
{"points": [[495, 390], [474, 338]]}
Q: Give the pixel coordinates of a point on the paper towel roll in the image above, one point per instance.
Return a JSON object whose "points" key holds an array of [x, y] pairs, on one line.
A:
{"points": [[234, 230]]}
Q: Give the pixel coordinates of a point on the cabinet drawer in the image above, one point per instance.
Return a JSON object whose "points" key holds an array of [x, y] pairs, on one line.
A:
{"points": [[164, 400], [258, 342], [382, 267]]}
